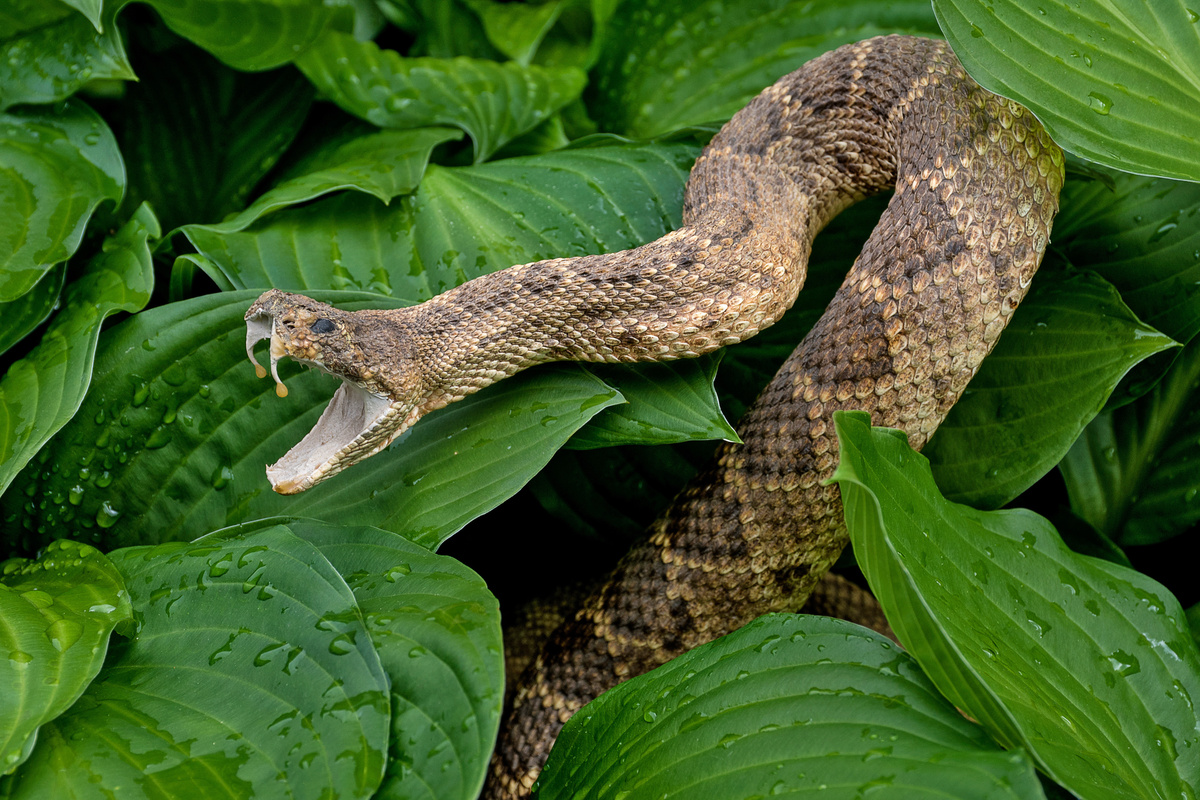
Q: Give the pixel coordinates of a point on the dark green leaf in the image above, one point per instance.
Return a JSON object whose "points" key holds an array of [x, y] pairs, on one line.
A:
{"points": [[1064, 352], [437, 630], [1087, 665], [251, 674], [199, 136], [56, 166], [668, 402], [53, 60], [1134, 473], [462, 222], [177, 431], [1115, 83], [252, 34], [31, 309], [492, 102], [384, 164], [789, 704], [516, 29], [667, 64], [1143, 236], [56, 614], [42, 391]]}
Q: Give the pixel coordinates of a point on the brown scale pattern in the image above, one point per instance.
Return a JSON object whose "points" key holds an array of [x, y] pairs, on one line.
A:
{"points": [[977, 182]]}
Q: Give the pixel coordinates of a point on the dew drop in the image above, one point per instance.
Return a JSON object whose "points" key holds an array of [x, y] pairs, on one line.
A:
{"points": [[63, 633], [106, 516], [1099, 103]]}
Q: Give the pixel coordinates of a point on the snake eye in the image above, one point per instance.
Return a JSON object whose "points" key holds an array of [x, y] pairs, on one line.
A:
{"points": [[322, 326]]}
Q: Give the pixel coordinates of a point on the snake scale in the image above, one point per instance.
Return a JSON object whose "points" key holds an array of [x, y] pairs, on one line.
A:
{"points": [[976, 188]]}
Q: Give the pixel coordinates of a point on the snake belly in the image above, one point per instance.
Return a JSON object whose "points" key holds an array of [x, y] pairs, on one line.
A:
{"points": [[976, 189]]}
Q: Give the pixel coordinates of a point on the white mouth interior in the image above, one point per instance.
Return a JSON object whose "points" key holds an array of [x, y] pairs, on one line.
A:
{"points": [[350, 415]]}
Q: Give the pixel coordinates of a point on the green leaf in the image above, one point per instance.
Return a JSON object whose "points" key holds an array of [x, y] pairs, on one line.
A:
{"points": [[1142, 236], [42, 391], [251, 674], [1116, 83], [90, 9], [436, 628], [789, 704], [1087, 665], [56, 614], [175, 406], [461, 223], [52, 61], [668, 402], [23, 315], [1063, 353], [198, 167], [56, 166], [1132, 474], [669, 64], [517, 29], [383, 164], [252, 35], [493, 103]]}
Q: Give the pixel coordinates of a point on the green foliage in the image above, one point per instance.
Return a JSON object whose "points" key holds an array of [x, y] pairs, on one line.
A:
{"points": [[328, 650]]}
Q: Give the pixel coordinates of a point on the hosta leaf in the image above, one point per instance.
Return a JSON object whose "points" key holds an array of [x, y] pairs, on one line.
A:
{"points": [[252, 34], [42, 391], [1142, 236], [517, 29], [1064, 352], [673, 63], [53, 60], [198, 167], [250, 674], [1116, 83], [789, 704], [436, 628], [176, 407], [56, 166], [56, 614], [492, 102], [29, 310], [381, 163], [461, 223], [668, 402], [1133, 474], [1087, 665]]}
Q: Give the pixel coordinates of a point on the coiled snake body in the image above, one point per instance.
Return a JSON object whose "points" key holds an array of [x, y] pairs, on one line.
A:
{"points": [[976, 189]]}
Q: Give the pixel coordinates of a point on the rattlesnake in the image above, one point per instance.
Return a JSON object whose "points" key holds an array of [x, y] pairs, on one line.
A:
{"points": [[976, 189]]}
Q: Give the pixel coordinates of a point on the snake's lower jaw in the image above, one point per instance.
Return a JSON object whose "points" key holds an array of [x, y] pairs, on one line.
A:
{"points": [[355, 425]]}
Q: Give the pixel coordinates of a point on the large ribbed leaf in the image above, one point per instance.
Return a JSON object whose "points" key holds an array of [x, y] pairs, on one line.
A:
{"points": [[1118, 83], [462, 222], [252, 34], [42, 391], [667, 64], [198, 167], [1087, 665], [251, 674], [796, 705], [383, 164], [1064, 352], [56, 614], [31, 309], [174, 437], [1133, 474], [56, 166], [52, 60], [492, 102], [436, 628], [1142, 235]]}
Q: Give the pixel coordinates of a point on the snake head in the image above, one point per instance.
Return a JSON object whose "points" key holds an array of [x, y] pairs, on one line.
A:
{"points": [[370, 409]]}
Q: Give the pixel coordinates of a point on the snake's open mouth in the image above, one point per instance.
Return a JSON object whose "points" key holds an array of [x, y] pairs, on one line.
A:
{"points": [[356, 423]]}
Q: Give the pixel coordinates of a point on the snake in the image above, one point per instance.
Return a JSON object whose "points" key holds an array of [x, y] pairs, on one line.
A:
{"points": [[975, 181]]}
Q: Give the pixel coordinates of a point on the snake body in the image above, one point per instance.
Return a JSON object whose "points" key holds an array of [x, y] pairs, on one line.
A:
{"points": [[976, 188]]}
